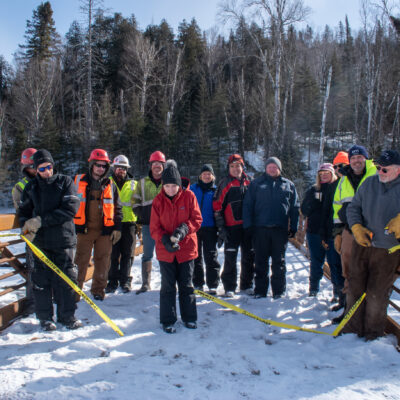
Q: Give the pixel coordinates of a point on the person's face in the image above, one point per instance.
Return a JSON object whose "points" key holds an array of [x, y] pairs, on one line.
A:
{"points": [[157, 168], [206, 176], [236, 170], [357, 164], [45, 170], [325, 176], [388, 174], [272, 170], [337, 168], [30, 171], [99, 169], [120, 172], [171, 189]]}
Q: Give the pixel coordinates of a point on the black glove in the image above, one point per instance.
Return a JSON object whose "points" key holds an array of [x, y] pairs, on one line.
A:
{"points": [[222, 236], [291, 234], [179, 233], [169, 246]]}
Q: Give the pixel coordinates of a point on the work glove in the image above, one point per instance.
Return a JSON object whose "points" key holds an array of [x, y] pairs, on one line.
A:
{"points": [[291, 234], [338, 243], [115, 236], [30, 236], [179, 233], [32, 225], [393, 226], [362, 235], [169, 246]]}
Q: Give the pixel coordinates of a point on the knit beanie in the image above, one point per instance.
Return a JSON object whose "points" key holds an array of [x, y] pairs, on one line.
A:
{"points": [[207, 168], [388, 157], [358, 150], [171, 175], [326, 167], [341, 158], [274, 160], [42, 156]]}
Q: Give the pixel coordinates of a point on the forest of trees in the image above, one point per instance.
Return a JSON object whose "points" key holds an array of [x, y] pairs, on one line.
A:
{"points": [[200, 96]]}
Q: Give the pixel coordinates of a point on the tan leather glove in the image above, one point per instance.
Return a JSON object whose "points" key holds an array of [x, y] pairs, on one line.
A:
{"points": [[32, 225], [393, 226], [362, 235], [115, 236], [338, 243]]}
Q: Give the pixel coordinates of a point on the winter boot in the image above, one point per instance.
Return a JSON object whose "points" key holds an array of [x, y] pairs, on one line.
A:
{"points": [[338, 320], [341, 304], [48, 325], [146, 277], [126, 287], [169, 328], [111, 287]]}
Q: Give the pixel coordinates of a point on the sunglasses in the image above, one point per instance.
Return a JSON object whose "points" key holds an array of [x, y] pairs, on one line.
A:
{"points": [[42, 169], [123, 168], [103, 166], [337, 166], [384, 170]]}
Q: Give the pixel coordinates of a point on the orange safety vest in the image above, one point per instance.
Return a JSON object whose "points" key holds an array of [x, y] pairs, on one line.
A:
{"points": [[107, 198]]}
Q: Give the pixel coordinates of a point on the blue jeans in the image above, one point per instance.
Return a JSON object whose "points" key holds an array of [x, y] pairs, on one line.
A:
{"points": [[148, 244], [317, 256]]}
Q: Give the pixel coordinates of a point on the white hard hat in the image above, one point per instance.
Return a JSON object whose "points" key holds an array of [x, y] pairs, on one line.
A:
{"points": [[121, 161]]}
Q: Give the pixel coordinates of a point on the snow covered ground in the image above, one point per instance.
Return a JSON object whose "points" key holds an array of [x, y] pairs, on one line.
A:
{"points": [[230, 356]]}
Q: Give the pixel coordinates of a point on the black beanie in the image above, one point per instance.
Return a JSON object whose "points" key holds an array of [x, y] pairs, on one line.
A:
{"points": [[208, 168], [42, 156], [171, 175]]}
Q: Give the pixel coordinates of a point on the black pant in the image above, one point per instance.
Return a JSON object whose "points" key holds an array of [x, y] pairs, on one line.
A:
{"points": [[47, 283], [270, 242], [236, 238], [171, 274], [122, 256], [207, 248]]}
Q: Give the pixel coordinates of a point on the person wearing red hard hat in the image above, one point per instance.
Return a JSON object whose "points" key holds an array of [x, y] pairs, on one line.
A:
{"points": [[29, 173], [97, 222], [146, 190]]}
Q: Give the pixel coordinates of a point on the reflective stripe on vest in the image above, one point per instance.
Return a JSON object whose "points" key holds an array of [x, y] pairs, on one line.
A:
{"points": [[125, 196], [22, 183], [107, 198]]}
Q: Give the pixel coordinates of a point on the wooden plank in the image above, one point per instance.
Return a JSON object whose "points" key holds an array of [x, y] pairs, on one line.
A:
{"points": [[10, 243], [392, 327], [8, 221], [12, 289], [9, 275], [15, 263], [10, 312]]}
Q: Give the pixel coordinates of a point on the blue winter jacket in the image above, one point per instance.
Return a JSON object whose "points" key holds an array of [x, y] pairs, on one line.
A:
{"points": [[271, 202], [205, 203]]}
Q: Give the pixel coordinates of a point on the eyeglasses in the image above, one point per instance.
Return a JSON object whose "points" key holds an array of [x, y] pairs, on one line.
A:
{"points": [[337, 166], [42, 169], [123, 168], [384, 170], [104, 166]]}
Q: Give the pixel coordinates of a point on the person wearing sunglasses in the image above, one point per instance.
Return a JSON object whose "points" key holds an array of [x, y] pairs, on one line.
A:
{"points": [[48, 205], [354, 175], [374, 218], [97, 222], [339, 162], [124, 250]]}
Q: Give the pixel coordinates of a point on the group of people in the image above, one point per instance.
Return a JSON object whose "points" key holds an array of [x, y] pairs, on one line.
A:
{"points": [[102, 211]]}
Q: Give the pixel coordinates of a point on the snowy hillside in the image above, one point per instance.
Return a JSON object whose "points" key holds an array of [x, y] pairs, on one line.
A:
{"points": [[229, 356]]}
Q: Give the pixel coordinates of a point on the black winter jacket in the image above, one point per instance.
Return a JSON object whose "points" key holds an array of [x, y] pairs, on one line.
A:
{"points": [[313, 208], [56, 202]]}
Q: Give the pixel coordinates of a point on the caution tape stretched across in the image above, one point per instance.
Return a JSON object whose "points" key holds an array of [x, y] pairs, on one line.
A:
{"points": [[39, 254], [281, 324]]}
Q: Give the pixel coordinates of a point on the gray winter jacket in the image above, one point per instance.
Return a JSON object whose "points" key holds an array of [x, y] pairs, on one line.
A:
{"points": [[373, 206]]}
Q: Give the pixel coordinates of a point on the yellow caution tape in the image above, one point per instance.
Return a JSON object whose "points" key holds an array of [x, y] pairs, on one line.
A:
{"points": [[249, 314], [39, 254], [347, 317], [9, 234]]}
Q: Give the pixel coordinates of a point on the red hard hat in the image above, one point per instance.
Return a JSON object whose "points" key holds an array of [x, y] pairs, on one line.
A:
{"points": [[235, 158], [157, 156], [99, 155], [26, 156]]}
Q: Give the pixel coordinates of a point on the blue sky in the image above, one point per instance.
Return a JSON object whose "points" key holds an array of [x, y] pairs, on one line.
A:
{"points": [[14, 14]]}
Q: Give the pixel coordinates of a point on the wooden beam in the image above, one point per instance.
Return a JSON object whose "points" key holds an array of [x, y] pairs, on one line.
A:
{"points": [[8, 221], [10, 312]]}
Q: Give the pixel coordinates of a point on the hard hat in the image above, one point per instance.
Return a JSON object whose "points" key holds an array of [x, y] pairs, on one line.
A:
{"points": [[121, 161], [157, 156], [26, 157], [99, 155]]}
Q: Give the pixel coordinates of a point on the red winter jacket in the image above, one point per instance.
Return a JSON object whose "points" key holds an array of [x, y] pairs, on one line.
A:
{"points": [[166, 215]]}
